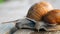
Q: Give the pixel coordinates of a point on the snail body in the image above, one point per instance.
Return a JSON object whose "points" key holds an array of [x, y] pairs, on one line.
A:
{"points": [[25, 23]]}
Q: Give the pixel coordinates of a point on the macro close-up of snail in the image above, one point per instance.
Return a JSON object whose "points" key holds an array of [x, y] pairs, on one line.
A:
{"points": [[45, 17], [35, 14], [41, 18], [29, 16]]}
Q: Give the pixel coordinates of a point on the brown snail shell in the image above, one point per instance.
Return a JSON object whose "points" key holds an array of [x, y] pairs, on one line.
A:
{"points": [[38, 10], [53, 17]]}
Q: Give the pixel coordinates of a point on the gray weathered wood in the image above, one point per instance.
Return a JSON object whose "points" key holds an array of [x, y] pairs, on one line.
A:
{"points": [[26, 31]]}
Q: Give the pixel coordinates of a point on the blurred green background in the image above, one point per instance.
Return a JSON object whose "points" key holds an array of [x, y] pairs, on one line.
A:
{"points": [[1, 1]]}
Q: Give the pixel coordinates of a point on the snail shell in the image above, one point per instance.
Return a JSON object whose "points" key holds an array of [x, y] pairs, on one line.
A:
{"points": [[53, 17], [38, 10]]}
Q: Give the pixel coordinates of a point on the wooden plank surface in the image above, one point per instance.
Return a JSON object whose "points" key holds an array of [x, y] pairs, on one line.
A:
{"points": [[27, 31], [5, 28]]}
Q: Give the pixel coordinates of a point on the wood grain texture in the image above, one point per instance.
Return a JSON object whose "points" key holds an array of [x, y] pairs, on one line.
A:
{"points": [[44, 32], [26, 31]]}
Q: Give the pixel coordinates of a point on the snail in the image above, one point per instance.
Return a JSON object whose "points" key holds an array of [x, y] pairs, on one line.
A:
{"points": [[52, 20], [52, 17], [38, 10]]}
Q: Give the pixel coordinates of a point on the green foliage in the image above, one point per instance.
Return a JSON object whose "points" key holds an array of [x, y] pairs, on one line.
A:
{"points": [[1, 1]]}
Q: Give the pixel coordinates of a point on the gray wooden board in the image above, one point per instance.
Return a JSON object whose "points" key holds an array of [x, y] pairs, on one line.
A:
{"points": [[5, 28], [27, 31]]}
